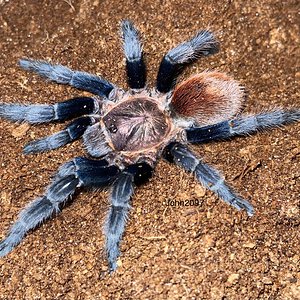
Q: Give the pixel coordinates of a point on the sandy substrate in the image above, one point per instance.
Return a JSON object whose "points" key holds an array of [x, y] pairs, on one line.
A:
{"points": [[209, 251]]}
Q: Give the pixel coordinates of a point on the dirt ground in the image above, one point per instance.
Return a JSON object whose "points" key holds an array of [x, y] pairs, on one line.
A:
{"points": [[209, 251]]}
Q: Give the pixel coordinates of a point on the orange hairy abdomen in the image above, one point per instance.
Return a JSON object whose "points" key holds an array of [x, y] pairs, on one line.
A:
{"points": [[208, 97]]}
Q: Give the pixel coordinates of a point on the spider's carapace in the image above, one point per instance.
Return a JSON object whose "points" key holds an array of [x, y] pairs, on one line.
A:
{"points": [[136, 124]]}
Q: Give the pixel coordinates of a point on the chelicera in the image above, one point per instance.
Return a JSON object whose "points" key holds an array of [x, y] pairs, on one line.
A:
{"points": [[126, 132]]}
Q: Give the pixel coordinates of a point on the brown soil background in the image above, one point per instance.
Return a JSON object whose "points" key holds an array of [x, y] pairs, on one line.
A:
{"points": [[209, 251]]}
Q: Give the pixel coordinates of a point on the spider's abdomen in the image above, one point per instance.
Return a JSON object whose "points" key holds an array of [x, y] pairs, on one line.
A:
{"points": [[208, 97], [136, 124]]}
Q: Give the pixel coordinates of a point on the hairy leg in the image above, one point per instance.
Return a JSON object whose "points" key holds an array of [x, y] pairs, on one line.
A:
{"points": [[60, 74], [76, 173], [43, 113], [173, 63], [121, 193], [71, 133], [207, 175], [135, 66], [243, 125], [115, 225]]}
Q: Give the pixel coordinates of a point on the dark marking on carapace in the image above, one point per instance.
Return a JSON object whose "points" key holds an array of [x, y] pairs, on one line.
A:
{"points": [[136, 124]]}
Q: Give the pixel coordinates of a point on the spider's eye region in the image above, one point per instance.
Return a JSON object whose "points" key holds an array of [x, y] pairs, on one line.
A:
{"points": [[112, 128]]}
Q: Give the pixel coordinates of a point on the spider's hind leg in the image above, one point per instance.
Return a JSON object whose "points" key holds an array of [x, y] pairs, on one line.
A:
{"points": [[243, 125], [76, 173], [121, 193], [173, 63]]}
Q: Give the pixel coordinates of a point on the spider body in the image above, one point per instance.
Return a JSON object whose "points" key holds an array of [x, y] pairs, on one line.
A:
{"points": [[134, 127], [125, 133]]}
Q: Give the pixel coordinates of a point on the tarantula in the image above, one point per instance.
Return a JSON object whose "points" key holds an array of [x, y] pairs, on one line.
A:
{"points": [[126, 132]]}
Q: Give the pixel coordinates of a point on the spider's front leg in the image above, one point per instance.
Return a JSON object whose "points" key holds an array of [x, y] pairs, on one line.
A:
{"points": [[76, 173], [208, 176], [121, 193]]}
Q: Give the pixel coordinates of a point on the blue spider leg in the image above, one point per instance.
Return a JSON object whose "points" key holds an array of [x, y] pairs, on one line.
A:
{"points": [[206, 175], [121, 193], [242, 126], [44, 113], [61, 74], [173, 63], [135, 66], [76, 173], [71, 133]]}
